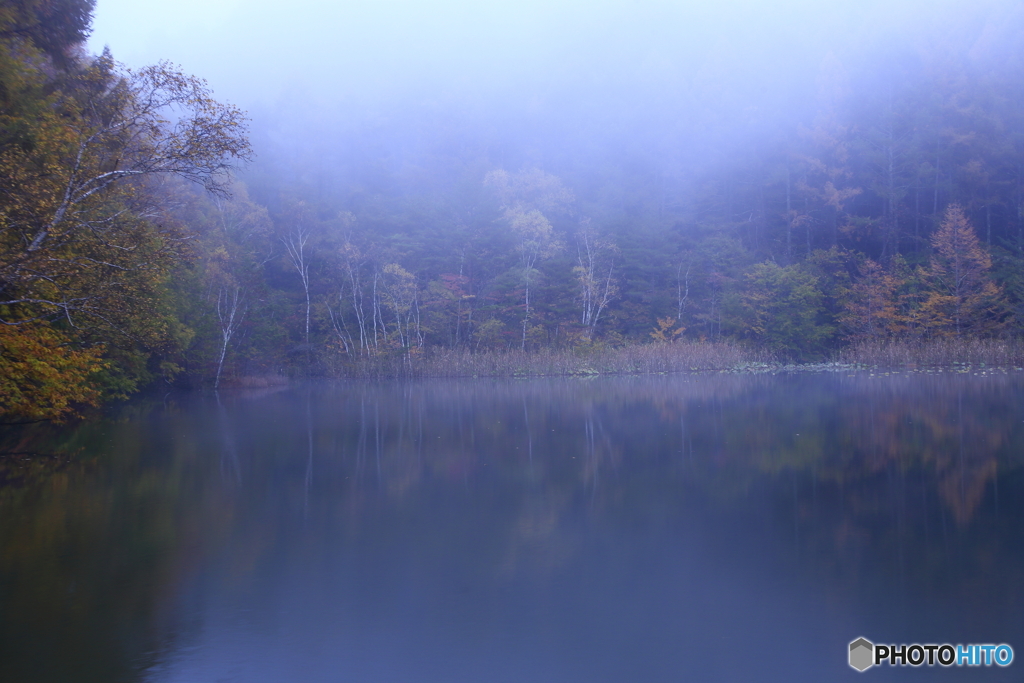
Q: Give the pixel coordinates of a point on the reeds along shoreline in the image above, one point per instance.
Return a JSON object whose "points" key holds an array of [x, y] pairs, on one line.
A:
{"points": [[647, 359], [640, 359], [935, 353]]}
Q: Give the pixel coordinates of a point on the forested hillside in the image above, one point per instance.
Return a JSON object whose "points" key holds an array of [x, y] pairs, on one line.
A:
{"points": [[883, 202]]}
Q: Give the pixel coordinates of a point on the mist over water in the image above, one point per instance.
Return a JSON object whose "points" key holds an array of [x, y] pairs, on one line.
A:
{"points": [[477, 188]]}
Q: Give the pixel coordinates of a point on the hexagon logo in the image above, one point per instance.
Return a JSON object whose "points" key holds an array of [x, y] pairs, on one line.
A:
{"points": [[862, 654]]}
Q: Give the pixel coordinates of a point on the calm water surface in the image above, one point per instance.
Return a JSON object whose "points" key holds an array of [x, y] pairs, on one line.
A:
{"points": [[678, 528]]}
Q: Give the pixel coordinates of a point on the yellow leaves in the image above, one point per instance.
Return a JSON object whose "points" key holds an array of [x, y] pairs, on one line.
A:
{"points": [[950, 297], [41, 376], [82, 237], [527, 199], [664, 334], [397, 271], [530, 189], [836, 198], [962, 297], [400, 285], [957, 250], [529, 226]]}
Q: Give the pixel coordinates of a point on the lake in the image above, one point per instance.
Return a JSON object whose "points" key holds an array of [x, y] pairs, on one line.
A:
{"points": [[627, 529]]}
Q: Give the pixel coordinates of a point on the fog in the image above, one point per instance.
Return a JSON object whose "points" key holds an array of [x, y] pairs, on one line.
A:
{"points": [[501, 190], [688, 81], [259, 52], [719, 158]]}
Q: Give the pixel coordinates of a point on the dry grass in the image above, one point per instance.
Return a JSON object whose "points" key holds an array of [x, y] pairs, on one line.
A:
{"points": [[636, 360], [936, 353], [649, 359], [255, 381]]}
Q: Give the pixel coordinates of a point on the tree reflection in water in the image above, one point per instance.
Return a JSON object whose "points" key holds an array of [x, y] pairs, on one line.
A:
{"points": [[520, 526]]}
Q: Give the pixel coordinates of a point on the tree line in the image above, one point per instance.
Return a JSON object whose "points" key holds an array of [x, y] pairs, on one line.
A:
{"points": [[131, 254]]}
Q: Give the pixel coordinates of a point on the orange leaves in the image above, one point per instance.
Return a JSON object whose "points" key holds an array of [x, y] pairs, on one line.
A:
{"points": [[871, 310], [962, 297], [954, 296]]}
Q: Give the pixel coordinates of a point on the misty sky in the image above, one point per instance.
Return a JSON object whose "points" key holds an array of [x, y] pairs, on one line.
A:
{"points": [[700, 76], [261, 51]]}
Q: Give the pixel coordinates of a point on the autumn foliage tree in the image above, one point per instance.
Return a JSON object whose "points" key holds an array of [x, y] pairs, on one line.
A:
{"points": [[42, 377], [870, 311], [76, 215], [962, 298], [86, 242]]}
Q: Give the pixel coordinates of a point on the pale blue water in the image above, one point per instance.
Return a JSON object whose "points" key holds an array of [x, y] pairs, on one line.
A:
{"points": [[675, 528]]}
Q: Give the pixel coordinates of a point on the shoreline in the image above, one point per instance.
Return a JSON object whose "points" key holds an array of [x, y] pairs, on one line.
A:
{"points": [[654, 359]]}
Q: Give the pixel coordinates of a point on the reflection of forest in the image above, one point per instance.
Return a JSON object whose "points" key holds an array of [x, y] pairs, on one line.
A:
{"points": [[861, 478]]}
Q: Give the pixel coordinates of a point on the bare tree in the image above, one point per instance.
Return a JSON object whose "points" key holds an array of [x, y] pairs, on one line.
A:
{"points": [[352, 259], [230, 311], [299, 255], [682, 289], [402, 293], [596, 261]]}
